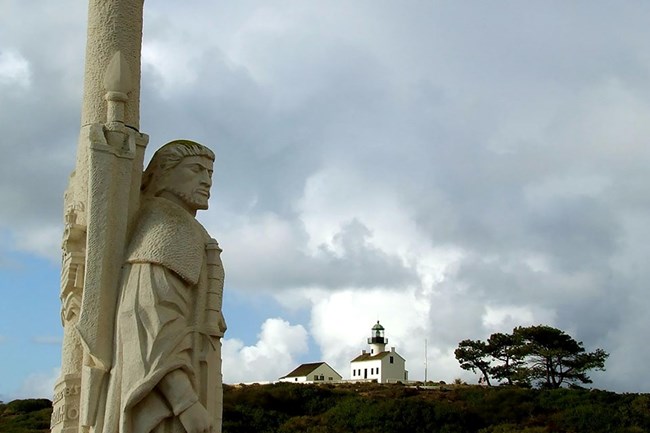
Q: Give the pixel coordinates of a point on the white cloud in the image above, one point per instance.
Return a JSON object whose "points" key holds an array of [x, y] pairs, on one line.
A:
{"points": [[38, 385], [271, 357], [264, 239], [14, 70], [338, 194], [44, 241], [172, 60]]}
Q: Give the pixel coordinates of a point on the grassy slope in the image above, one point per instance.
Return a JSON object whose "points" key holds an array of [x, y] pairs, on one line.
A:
{"points": [[373, 408]]}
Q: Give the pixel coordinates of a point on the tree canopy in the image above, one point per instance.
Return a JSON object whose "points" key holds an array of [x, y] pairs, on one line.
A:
{"points": [[534, 355]]}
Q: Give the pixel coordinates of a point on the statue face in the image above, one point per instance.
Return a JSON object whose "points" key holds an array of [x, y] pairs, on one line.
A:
{"points": [[190, 181]]}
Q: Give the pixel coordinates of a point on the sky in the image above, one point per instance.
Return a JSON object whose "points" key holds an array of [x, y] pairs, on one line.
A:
{"points": [[449, 168]]}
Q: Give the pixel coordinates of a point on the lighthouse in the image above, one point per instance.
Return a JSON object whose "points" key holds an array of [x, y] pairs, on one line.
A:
{"points": [[379, 365]]}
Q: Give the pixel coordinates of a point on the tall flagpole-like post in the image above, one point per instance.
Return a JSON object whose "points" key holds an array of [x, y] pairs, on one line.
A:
{"points": [[426, 363], [100, 202]]}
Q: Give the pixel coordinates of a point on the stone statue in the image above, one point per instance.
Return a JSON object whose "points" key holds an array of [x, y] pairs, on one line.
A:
{"points": [[141, 280], [166, 374]]}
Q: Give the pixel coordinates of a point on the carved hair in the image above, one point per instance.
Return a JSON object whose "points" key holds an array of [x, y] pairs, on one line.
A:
{"points": [[166, 158]]}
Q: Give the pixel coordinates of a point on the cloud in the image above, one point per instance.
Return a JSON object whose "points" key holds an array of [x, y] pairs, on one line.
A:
{"points": [[510, 316], [474, 167], [14, 70], [38, 385], [626, 355], [341, 322], [283, 261], [271, 357], [47, 339], [43, 89], [44, 241]]}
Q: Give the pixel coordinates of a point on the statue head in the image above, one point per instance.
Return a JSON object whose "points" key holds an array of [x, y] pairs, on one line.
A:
{"points": [[180, 171]]}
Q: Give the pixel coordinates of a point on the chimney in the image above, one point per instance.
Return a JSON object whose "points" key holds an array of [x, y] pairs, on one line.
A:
{"points": [[392, 349]]}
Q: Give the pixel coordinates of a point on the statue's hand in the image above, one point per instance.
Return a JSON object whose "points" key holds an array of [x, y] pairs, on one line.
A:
{"points": [[195, 419]]}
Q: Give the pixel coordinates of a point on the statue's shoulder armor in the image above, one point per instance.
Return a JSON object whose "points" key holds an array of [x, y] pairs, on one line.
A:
{"points": [[165, 234]]}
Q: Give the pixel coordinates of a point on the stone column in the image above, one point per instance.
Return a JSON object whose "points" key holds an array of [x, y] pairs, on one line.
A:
{"points": [[67, 390], [103, 188], [113, 26]]}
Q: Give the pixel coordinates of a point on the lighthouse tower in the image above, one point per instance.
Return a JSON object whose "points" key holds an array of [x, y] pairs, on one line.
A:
{"points": [[377, 341]]}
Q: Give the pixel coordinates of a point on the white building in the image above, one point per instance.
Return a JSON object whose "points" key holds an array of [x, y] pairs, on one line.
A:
{"points": [[314, 372], [379, 364]]}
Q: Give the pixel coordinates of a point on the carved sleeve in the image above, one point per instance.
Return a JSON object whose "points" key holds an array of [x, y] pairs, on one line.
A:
{"points": [[178, 391]]}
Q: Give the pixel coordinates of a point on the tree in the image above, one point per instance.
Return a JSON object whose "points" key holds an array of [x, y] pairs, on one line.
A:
{"points": [[555, 358], [473, 355], [540, 354], [508, 349]]}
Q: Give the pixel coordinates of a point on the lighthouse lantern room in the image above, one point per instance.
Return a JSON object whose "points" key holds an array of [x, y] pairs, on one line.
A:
{"points": [[377, 341]]}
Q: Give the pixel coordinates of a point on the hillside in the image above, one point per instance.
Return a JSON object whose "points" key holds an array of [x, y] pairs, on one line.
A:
{"points": [[25, 416], [373, 408]]}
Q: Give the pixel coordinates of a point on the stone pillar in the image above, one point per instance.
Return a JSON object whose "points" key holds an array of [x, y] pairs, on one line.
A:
{"points": [[67, 390], [110, 152], [113, 26]]}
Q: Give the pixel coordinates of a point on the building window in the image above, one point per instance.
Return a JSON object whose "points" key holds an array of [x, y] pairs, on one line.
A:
{"points": [[392, 360]]}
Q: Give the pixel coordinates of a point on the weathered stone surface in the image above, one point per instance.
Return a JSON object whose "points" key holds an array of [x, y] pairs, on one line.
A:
{"points": [[113, 26], [166, 371], [141, 280], [153, 362]]}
